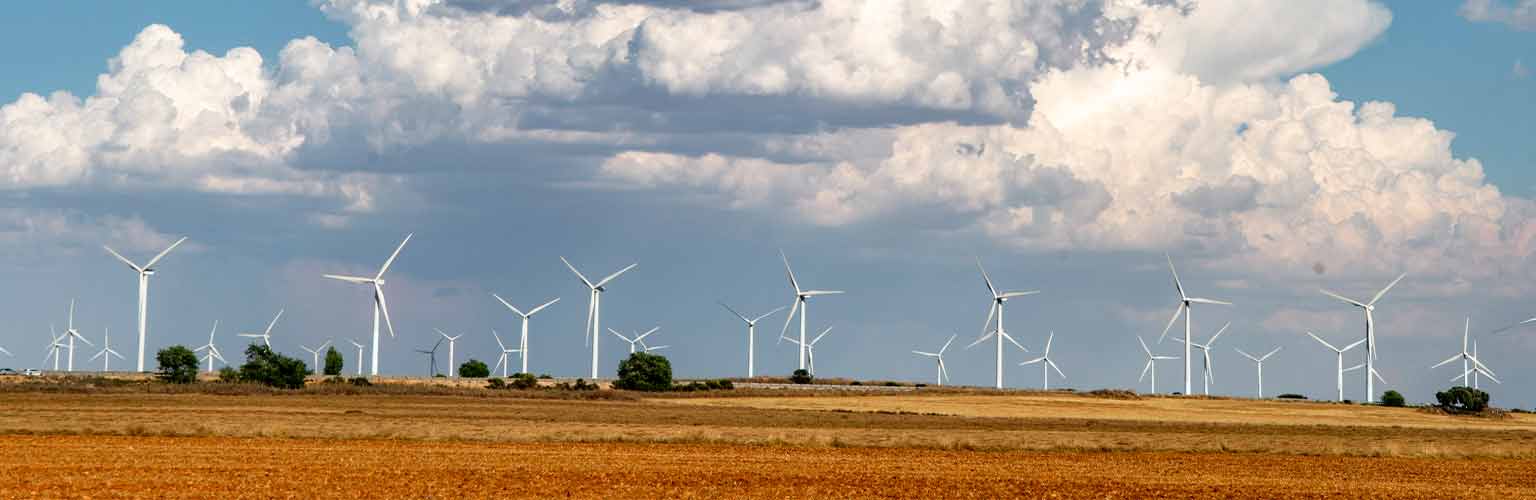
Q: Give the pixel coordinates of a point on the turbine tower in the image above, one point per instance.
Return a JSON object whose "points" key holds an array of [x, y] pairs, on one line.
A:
{"points": [[380, 306], [1205, 352], [939, 356], [809, 348], [359, 355], [802, 305], [71, 334], [106, 352], [450, 340], [315, 354], [1186, 307], [1469, 364], [144, 271], [1370, 334], [266, 337], [751, 335], [1046, 365], [502, 360], [1151, 367], [1339, 362], [1260, 362], [522, 343], [594, 330], [999, 298], [213, 351]]}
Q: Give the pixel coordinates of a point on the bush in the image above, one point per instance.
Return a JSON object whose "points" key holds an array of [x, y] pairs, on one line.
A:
{"points": [[474, 368], [229, 375], [178, 365], [1463, 399], [1394, 399], [495, 383], [1290, 396], [266, 367], [333, 361], [727, 385], [644, 372], [581, 385], [801, 377], [360, 381], [545, 376], [524, 381]]}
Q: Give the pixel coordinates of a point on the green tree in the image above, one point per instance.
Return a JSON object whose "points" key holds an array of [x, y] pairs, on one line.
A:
{"points": [[1463, 398], [474, 368], [644, 372], [1393, 398], [264, 366], [333, 361], [523, 381], [801, 377], [178, 365]]}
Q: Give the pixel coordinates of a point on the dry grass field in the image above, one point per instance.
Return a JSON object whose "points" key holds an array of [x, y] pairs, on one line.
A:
{"points": [[83, 443]]}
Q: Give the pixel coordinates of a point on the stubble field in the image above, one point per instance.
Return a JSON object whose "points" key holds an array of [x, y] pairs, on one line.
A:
{"points": [[908, 445]]}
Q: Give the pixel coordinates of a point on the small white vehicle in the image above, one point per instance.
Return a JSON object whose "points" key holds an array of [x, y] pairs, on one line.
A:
{"points": [[32, 372]]}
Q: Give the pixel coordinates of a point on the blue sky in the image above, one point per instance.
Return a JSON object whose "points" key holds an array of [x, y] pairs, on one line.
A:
{"points": [[507, 134]]}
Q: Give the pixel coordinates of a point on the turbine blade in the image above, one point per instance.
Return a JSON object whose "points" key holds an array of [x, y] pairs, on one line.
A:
{"points": [[349, 279], [616, 275], [767, 314], [392, 256], [943, 372], [1324, 342], [620, 335], [982, 339], [161, 255], [823, 334], [988, 279], [1009, 295], [274, 321], [498, 340], [586, 334], [125, 260], [792, 283], [1199, 300], [794, 306], [991, 312], [1271, 353], [1341, 297], [1014, 342], [1218, 334], [1048, 340], [1378, 376], [813, 293], [929, 354], [1033, 361], [542, 306], [584, 279], [1176, 312], [1479, 364], [947, 343], [1516, 325], [1353, 368], [383, 306], [733, 311], [1144, 347], [647, 333], [1246, 355], [1384, 290], [1144, 371], [1053, 366], [1352, 346], [1177, 285]]}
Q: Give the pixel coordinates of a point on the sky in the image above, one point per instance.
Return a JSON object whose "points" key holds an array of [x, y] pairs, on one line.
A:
{"points": [[1270, 150]]}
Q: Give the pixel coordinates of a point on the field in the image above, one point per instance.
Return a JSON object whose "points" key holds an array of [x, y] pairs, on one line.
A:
{"points": [[763, 444]]}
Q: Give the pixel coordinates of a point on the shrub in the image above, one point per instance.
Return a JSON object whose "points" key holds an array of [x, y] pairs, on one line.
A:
{"points": [[495, 383], [1290, 396], [474, 368], [1464, 399], [892, 384], [178, 365], [266, 367], [644, 372], [727, 385], [1394, 399], [524, 381], [360, 381], [333, 361], [545, 376], [853, 383], [801, 377], [229, 375]]}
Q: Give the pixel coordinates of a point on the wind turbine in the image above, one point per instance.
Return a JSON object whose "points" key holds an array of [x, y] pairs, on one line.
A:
{"points": [[71, 334], [266, 337], [315, 354], [1340, 360], [1260, 362], [809, 347], [1151, 367], [751, 335], [432, 354], [450, 340], [998, 299], [637, 340], [1205, 351], [594, 330], [1476, 367], [1046, 365], [939, 356], [106, 350], [1476, 375], [802, 305], [54, 347], [213, 351], [380, 306], [359, 355], [1370, 334], [522, 343], [1377, 375], [1186, 307], [502, 360], [144, 271]]}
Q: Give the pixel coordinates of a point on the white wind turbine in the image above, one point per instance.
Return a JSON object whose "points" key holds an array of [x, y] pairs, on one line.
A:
{"points": [[999, 298], [359, 355], [315, 355], [1370, 334], [1046, 365], [380, 306], [55, 347], [800, 304], [144, 271], [1151, 367], [502, 360], [450, 340], [1205, 352], [638, 340], [1476, 375], [809, 348], [1186, 307], [939, 356], [106, 352], [594, 330], [1469, 363], [1377, 376], [266, 336], [432, 355], [213, 351], [1260, 362], [71, 334], [751, 335], [522, 343], [1339, 362]]}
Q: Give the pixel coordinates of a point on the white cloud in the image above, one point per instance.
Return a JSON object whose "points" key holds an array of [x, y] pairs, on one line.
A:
{"points": [[33, 236], [1520, 15]]}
